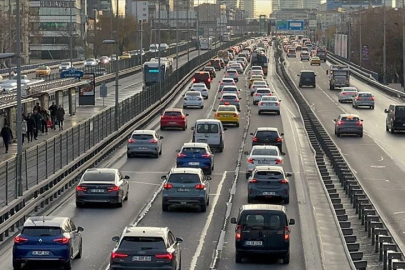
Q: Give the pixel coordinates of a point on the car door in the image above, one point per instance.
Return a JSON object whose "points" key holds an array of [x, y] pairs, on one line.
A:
{"points": [[275, 231], [175, 247], [67, 228]]}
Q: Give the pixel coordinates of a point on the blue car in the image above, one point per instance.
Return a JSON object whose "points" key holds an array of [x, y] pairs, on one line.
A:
{"points": [[47, 239], [196, 155]]}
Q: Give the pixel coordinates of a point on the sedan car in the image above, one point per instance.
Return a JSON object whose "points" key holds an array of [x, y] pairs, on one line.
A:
{"points": [[254, 78], [347, 94], [227, 114], [315, 60], [304, 56], [144, 142], [269, 104], [348, 124], [104, 60], [193, 99], [238, 67], [256, 85], [42, 71], [91, 62], [64, 66], [256, 72], [259, 93], [173, 118], [48, 239], [200, 87], [230, 99], [186, 187], [102, 185], [196, 155], [267, 136], [268, 155], [225, 81], [364, 99], [256, 68], [230, 89], [232, 73]]}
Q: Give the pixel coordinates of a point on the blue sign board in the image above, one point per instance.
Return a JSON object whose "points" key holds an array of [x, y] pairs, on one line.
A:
{"points": [[71, 73], [281, 25], [153, 71], [295, 25]]}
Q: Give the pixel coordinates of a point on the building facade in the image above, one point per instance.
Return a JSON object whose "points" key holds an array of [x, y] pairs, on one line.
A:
{"points": [[311, 4], [212, 19], [138, 9], [250, 7]]}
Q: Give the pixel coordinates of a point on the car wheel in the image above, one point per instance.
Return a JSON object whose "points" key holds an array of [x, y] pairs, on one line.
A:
{"points": [[278, 113], [203, 208], [286, 259], [68, 265], [160, 152], [247, 175], [156, 155], [208, 201], [287, 200], [372, 107], [361, 135], [339, 101], [126, 196], [300, 85], [338, 134], [237, 124], [79, 255], [221, 149], [352, 105], [392, 130], [238, 258], [165, 207], [251, 94], [386, 127], [259, 112], [16, 265], [209, 171], [184, 107], [79, 205], [162, 128], [120, 203], [129, 155], [202, 107], [184, 128]]}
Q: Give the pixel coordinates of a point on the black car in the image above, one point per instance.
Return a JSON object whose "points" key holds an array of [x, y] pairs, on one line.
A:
{"points": [[267, 136], [395, 120], [212, 72], [262, 229], [202, 77], [146, 248], [307, 78]]}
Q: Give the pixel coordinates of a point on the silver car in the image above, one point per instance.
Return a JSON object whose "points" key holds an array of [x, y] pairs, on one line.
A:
{"points": [[256, 85], [238, 67], [260, 92], [193, 99], [348, 124], [230, 99], [232, 73], [144, 142], [230, 89], [346, 94], [200, 87], [269, 104], [225, 81], [363, 99], [268, 155]]}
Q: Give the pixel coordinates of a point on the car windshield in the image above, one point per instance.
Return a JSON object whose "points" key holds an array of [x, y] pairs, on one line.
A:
{"points": [[142, 243], [207, 128], [230, 89], [228, 97], [99, 176], [41, 231], [227, 81], [142, 137], [259, 83], [365, 95], [265, 152], [172, 113], [269, 98], [253, 222], [184, 178]]}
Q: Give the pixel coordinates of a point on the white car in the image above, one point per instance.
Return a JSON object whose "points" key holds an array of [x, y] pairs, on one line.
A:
{"points": [[232, 73], [64, 66], [237, 67], [256, 85], [91, 62], [269, 104], [263, 155], [257, 68], [231, 89], [259, 93], [225, 81], [193, 99], [200, 87], [347, 94]]}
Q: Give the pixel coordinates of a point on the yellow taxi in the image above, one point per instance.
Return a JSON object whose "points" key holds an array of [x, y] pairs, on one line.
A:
{"points": [[315, 60], [227, 114], [255, 78], [125, 55], [43, 71]]}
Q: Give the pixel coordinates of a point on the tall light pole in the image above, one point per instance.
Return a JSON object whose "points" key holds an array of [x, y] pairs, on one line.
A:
{"points": [[198, 28], [188, 33], [177, 40], [360, 41], [385, 48], [10, 38], [141, 47], [72, 3], [159, 52], [403, 43], [19, 104]]}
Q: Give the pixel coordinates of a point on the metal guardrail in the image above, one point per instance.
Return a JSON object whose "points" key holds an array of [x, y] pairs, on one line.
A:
{"points": [[56, 165]]}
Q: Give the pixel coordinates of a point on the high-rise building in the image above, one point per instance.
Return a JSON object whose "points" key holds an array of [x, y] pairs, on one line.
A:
{"points": [[290, 4], [311, 4], [139, 9], [229, 3], [274, 5], [250, 7], [182, 5]]}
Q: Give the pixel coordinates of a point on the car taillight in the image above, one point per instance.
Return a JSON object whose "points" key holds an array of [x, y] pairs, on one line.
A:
{"points": [[183, 117], [20, 240], [270, 94], [358, 98], [199, 186], [63, 240], [181, 155], [221, 99], [167, 186], [217, 115], [286, 233], [253, 181], [260, 103], [81, 188], [237, 100], [193, 79], [340, 123], [372, 98], [153, 141], [166, 256], [209, 79], [250, 160], [277, 103], [284, 181], [116, 255], [279, 161], [233, 83], [344, 94], [256, 94], [238, 231], [359, 123], [199, 99], [131, 140], [113, 188], [206, 155], [279, 139], [254, 139]]}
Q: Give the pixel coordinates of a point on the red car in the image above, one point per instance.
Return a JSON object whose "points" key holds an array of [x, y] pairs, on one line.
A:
{"points": [[173, 118]]}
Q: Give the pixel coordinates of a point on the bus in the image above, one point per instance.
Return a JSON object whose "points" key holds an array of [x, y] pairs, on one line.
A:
{"points": [[151, 72]]}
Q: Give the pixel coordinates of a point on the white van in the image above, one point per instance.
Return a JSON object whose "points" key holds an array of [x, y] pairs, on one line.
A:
{"points": [[209, 131]]}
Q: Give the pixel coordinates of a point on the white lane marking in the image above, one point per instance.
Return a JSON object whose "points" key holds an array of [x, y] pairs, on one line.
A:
{"points": [[377, 167], [397, 213], [145, 183], [207, 224], [382, 158], [385, 151]]}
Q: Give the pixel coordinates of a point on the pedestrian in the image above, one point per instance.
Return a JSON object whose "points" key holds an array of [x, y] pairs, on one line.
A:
{"points": [[30, 127], [53, 108], [7, 135], [37, 107], [44, 121], [23, 129], [60, 116], [38, 123]]}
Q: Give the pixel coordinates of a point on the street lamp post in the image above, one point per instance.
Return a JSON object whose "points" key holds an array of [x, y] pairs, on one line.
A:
{"points": [[159, 52], [384, 48], [177, 41], [19, 181], [10, 38], [403, 43], [72, 3], [360, 41], [188, 34]]}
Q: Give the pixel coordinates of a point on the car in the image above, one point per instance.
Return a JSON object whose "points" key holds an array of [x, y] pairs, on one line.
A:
{"points": [[91, 62], [100, 72], [225, 81], [312, 53], [102, 185], [259, 93], [48, 239], [173, 118], [304, 56], [104, 60], [215, 63], [363, 99], [200, 87], [230, 89], [242, 60], [254, 78], [145, 142], [238, 67], [269, 104], [232, 73], [195, 155], [256, 72], [230, 99], [212, 71], [113, 57], [186, 187], [256, 68], [210, 131], [64, 66], [315, 60], [395, 120], [202, 77], [267, 136], [42, 71], [307, 78], [146, 248], [291, 53], [242, 63], [256, 85], [193, 98], [346, 94], [268, 155], [348, 124], [262, 229], [125, 56], [227, 114]]}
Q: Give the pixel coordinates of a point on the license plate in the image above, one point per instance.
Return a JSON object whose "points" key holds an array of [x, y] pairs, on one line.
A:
{"points": [[202, 140], [141, 258], [183, 189], [269, 193], [172, 123], [194, 163], [254, 243], [307, 80], [264, 161], [40, 253], [226, 115], [142, 148], [97, 190]]}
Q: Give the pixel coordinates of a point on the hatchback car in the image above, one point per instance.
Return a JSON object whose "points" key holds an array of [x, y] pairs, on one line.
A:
{"points": [[48, 239], [269, 104], [363, 99], [263, 155], [91, 62], [144, 142], [315, 60], [193, 99], [200, 87], [230, 99], [202, 77], [225, 81], [304, 56], [102, 185], [146, 248], [267, 136], [173, 118], [256, 85], [347, 94], [227, 114], [262, 229], [230, 89], [348, 124], [269, 182], [232, 73], [212, 71], [186, 187], [195, 155], [257, 68], [259, 93]]}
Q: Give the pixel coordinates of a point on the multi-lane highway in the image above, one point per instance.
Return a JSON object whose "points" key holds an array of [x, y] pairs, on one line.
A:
{"points": [[377, 158]]}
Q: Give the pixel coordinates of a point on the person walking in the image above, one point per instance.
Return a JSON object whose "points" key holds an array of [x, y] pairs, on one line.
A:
{"points": [[44, 120], [30, 127], [7, 135], [38, 123], [60, 116], [23, 129], [53, 108], [37, 107]]}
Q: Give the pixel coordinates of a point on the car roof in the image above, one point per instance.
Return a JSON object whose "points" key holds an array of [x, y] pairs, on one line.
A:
{"points": [[267, 129], [199, 145], [209, 67], [146, 231], [202, 72], [199, 84], [271, 207], [269, 168], [102, 170], [192, 91], [230, 86], [349, 88], [307, 70], [232, 70], [226, 106], [186, 170], [230, 94], [173, 110], [144, 131], [202, 121], [364, 93], [349, 115], [263, 88], [45, 221], [227, 79], [259, 82]]}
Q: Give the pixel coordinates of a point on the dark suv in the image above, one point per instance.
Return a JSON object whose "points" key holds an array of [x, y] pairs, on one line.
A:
{"points": [[307, 78], [267, 136], [202, 77], [262, 229], [212, 72], [395, 120]]}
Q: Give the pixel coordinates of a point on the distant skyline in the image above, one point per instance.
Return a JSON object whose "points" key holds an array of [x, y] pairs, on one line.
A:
{"points": [[263, 7]]}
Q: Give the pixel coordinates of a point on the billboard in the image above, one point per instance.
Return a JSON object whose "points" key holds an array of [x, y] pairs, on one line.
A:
{"points": [[281, 25], [295, 25], [87, 92]]}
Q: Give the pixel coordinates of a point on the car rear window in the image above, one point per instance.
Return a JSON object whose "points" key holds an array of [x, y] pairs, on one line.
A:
{"points": [[307, 74], [173, 113], [193, 150], [142, 243], [253, 222], [263, 91], [365, 95], [184, 178], [272, 98], [202, 76], [207, 128], [193, 93], [269, 175], [400, 110], [266, 134], [226, 109], [41, 231], [267, 152], [350, 118], [227, 81], [142, 137], [99, 176], [230, 89], [228, 97], [232, 71], [259, 83]]}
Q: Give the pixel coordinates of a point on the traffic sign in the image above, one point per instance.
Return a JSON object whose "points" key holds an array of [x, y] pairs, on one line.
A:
{"points": [[281, 25], [71, 73], [103, 90], [295, 25]]}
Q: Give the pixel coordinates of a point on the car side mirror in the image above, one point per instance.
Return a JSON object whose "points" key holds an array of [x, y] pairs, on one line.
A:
{"points": [[80, 229], [187, 114], [208, 178], [315, 75], [386, 110], [192, 128], [334, 120], [163, 177], [225, 128], [126, 177], [361, 120], [179, 240], [292, 221], [240, 98], [281, 134], [161, 137], [298, 75], [282, 153], [233, 221], [219, 98], [288, 174], [327, 72], [177, 150], [251, 134], [116, 238], [279, 100], [246, 153]]}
